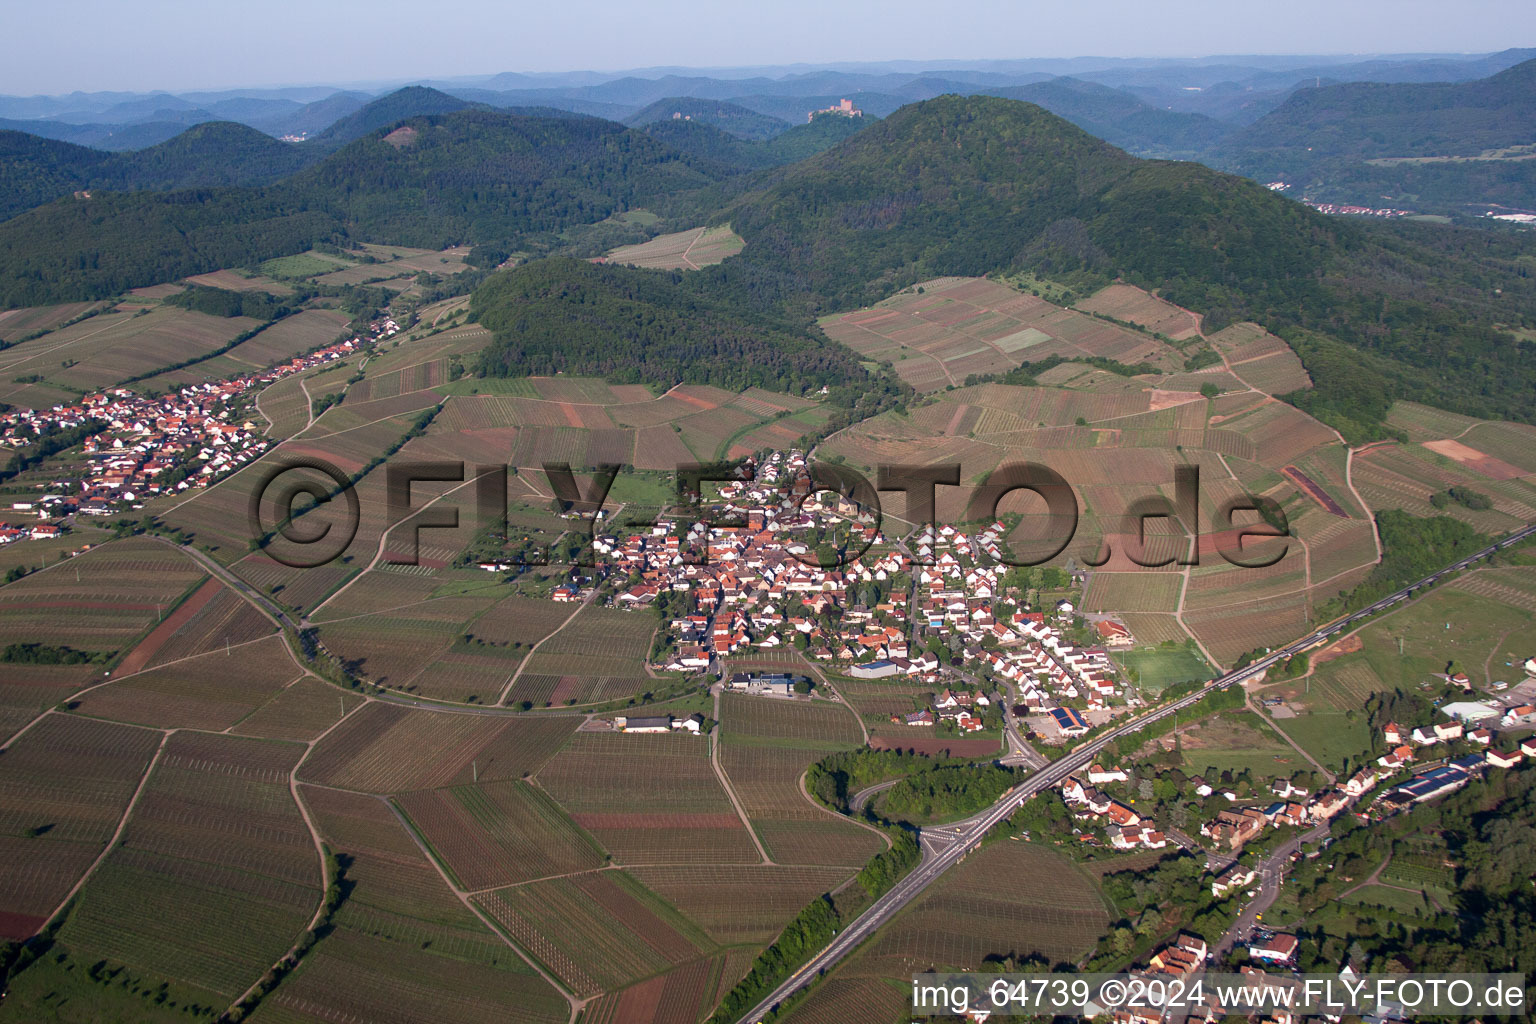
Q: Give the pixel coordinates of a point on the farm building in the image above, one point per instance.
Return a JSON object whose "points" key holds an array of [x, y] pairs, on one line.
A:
{"points": [[873, 670], [1436, 782], [777, 685], [659, 723], [1469, 711]]}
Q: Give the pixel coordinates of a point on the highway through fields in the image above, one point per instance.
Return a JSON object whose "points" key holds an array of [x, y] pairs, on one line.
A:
{"points": [[942, 855]]}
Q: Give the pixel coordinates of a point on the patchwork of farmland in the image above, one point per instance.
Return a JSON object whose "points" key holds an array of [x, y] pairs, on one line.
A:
{"points": [[942, 331], [386, 748], [595, 932], [1133, 305], [1145, 591], [588, 423], [740, 903], [765, 746], [1263, 361], [112, 347], [500, 833], [224, 621], [676, 997], [14, 323], [403, 946], [209, 691], [99, 601], [599, 655], [301, 711], [64, 786], [648, 798], [1405, 476], [399, 266], [1132, 441], [216, 875]]}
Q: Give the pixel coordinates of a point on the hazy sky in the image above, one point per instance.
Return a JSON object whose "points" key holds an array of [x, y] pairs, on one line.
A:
{"points": [[196, 44]]}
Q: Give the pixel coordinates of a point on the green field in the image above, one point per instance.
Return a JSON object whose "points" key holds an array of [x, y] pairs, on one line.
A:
{"points": [[304, 264], [1238, 741], [1330, 736], [1161, 667]]}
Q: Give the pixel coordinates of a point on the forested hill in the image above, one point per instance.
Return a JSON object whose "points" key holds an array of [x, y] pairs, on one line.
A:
{"points": [[728, 117], [35, 170], [467, 177], [627, 325], [412, 101], [481, 175], [1369, 120], [1119, 118], [970, 185], [953, 185], [724, 154]]}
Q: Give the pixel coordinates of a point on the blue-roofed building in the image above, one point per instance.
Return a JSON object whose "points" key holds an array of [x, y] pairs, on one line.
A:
{"points": [[1436, 782], [1069, 722]]}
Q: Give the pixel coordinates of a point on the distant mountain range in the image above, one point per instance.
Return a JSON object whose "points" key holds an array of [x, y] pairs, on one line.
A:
{"points": [[1254, 115], [1368, 143], [835, 214], [1440, 146]]}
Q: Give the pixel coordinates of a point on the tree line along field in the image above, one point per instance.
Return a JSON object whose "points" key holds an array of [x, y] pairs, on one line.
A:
{"points": [[280, 341]]}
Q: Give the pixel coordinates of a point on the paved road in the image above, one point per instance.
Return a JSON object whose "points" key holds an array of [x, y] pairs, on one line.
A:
{"points": [[858, 800], [935, 863], [1271, 871]]}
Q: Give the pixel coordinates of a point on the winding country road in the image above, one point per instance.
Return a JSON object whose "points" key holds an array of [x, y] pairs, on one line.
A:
{"points": [[967, 835]]}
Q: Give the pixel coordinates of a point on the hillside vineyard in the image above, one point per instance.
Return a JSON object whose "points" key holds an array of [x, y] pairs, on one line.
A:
{"points": [[677, 547]]}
